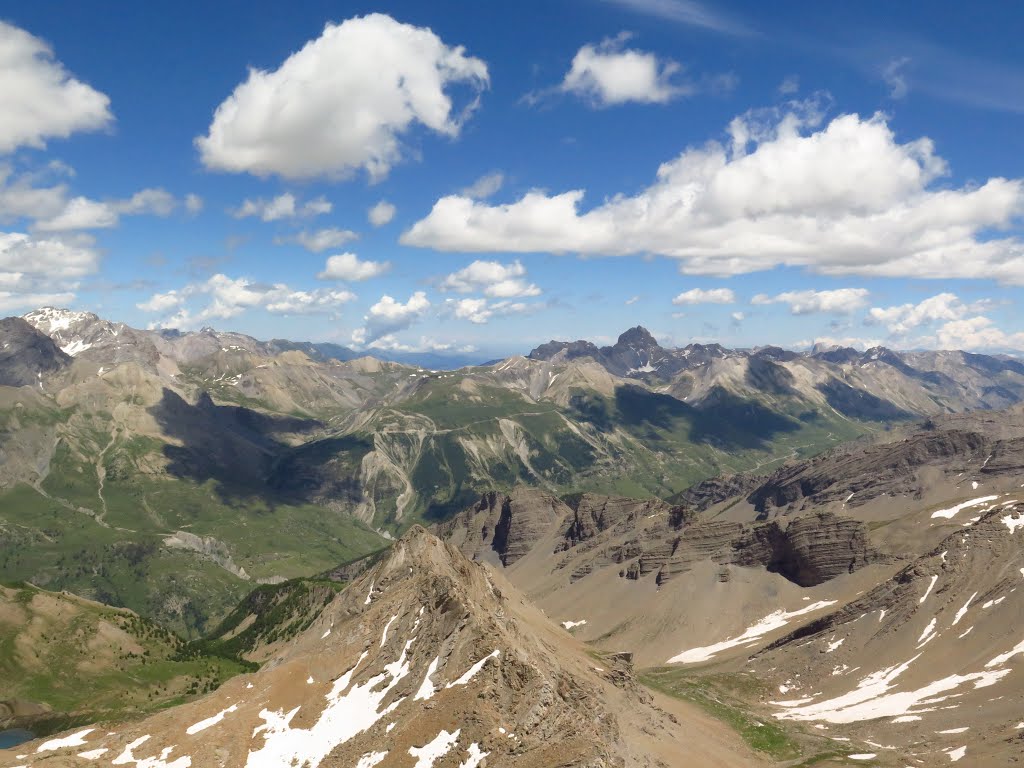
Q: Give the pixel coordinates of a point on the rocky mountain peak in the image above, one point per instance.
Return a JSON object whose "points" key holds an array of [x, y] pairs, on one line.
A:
{"points": [[638, 337]]}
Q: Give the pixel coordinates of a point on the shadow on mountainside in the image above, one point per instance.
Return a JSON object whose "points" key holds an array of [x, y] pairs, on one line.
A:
{"points": [[724, 420], [234, 446]]}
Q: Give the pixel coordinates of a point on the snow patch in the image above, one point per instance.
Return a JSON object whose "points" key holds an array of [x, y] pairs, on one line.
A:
{"points": [[771, 622], [962, 611], [1013, 523], [128, 758], [202, 725], [952, 511], [928, 591], [74, 740], [471, 672], [433, 750], [571, 624]]}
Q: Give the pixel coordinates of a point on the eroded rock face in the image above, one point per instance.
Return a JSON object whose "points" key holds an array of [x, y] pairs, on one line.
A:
{"points": [[867, 473], [637, 537], [26, 355], [808, 550], [507, 525]]}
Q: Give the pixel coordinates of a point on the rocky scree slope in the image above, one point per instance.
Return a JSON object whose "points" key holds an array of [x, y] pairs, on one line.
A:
{"points": [[427, 659]]}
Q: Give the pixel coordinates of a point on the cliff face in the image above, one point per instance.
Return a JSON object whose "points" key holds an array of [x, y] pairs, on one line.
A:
{"points": [[637, 537], [886, 469]]}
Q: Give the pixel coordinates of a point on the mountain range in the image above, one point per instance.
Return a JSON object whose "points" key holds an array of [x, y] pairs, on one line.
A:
{"points": [[782, 541]]}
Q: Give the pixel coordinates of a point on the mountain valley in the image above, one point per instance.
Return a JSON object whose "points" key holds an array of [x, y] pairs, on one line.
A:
{"points": [[772, 550]]}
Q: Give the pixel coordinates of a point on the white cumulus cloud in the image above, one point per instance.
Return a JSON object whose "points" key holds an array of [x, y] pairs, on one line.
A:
{"points": [[389, 316], [381, 213], [492, 278], [284, 206], [319, 240], [479, 311], [343, 102], [843, 198], [40, 98], [608, 73], [700, 296], [903, 318], [842, 301], [84, 213], [43, 270], [485, 186], [222, 297], [349, 267]]}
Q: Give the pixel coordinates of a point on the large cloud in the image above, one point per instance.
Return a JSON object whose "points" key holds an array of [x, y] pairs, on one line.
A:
{"points": [[348, 266], [319, 240], [40, 99], [342, 102], [225, 297], [284, 206], [841, 301], [846, 198], [492, 278], [43, 270], [389, 316], [84, 213], [903, 318], [607, 74], [701, 296]]}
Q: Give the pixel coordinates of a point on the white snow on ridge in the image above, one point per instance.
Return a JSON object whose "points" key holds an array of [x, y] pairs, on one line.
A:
{"points": [[928, 634], [371, 759], [427, 688], [875, 697], [471, 672], [202, 725], [571, 624], [956, 754], [384, 635], [434, 750], [952, 511], [128, 758], [1013, 523], [929, 590], [474, 757], [75, 347], [74, 740], [773, 621]]}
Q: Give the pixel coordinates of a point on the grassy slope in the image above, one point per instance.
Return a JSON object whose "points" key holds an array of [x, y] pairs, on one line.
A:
{"points": [[646, 444], [90, 662], [724, 697], [59, 542]]}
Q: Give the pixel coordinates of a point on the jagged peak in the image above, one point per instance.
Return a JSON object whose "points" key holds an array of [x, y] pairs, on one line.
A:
{"points": [[637, 335]]}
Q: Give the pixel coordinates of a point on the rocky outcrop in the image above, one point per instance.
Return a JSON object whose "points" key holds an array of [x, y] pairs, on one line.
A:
{"points": [[809, 550], [715, 490], [867, 473], [508, 525]]}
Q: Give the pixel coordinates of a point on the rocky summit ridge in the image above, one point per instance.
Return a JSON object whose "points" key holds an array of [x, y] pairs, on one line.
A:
{"points": [[426, 659]]}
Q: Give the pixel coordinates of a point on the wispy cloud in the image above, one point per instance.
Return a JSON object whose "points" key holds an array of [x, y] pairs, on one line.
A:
{"points": [[687, 12]]}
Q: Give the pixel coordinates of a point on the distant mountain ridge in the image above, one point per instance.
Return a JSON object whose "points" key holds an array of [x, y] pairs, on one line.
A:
{"points": [[76, 332], [638, 354]]}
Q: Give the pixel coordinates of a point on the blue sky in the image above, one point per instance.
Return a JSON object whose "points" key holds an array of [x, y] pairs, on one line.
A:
{"points": [[746, 173]]}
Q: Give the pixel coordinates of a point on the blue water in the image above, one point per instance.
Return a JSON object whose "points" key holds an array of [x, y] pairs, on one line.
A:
{"points": [[14, 737]]}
